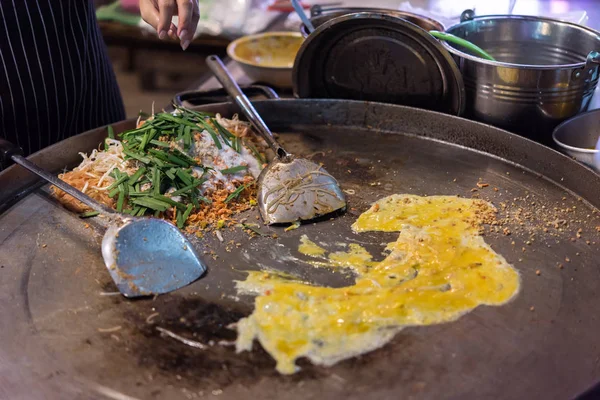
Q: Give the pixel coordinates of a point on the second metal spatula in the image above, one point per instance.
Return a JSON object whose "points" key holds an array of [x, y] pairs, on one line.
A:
{"points": [[290, 189], [144, 256]]}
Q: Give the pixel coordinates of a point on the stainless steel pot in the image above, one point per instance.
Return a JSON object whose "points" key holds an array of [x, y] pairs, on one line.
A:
{"points": [[546, 71], [319, 15], [578, 137]]}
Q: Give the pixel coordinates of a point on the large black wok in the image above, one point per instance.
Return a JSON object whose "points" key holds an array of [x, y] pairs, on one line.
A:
{"points": [[64, 334]]}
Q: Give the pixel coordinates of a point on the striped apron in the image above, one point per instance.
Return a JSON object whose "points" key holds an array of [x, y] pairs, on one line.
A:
{"points": [[55, 76]]}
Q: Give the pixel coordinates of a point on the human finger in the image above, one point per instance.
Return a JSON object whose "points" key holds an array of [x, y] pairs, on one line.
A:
{"points": [[166, 9]]}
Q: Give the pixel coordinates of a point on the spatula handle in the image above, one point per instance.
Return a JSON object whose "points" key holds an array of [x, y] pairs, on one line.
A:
{"points": [[9, 151], [229, 83]]}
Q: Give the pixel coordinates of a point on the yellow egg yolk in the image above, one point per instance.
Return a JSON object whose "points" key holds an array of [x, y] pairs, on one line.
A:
{"points": [[437, 270]]}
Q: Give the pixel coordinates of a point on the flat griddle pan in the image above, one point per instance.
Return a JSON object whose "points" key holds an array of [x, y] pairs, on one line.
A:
{"points": [[64, 334]]}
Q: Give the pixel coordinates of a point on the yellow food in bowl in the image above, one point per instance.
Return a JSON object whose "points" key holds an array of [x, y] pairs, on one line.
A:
{"points": [[271, 50]]}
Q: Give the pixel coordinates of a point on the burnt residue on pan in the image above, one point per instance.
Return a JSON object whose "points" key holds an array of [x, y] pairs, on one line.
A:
{"points": [[213, 367]]}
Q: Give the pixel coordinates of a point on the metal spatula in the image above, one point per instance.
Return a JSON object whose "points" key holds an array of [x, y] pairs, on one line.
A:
{"points": [[144, 256], [290, 189]]}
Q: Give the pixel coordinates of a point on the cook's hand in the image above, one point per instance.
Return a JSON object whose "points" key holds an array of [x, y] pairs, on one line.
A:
{"points": [[159, 13]]}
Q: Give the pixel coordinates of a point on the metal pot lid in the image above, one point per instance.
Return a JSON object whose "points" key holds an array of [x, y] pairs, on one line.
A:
{"points": [[377, 57]]}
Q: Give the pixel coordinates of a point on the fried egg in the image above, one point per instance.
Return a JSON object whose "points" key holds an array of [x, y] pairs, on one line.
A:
{"points": [[438, 269]]}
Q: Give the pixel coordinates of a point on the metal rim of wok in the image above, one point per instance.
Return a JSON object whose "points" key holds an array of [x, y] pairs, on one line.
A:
{"points": [[34, 357]]}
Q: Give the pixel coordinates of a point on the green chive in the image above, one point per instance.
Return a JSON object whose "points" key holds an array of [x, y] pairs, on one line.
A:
{"points": [[145, 140], [161, 163], [215, 138], [173, 118], [236, 193], [237, 144], [151, 203], [156, 180], [89, 214], [121, 199], [138, 157], [135, 132], [190, 160], [111, 132], [170, 173], [159, 154], [180, 220], [141, 211], [202, 199], [254, 228], [184, 190], [160, 144], [255, 152], [113, 192], [223, 132], [234, 170], [184, 176], [120, 180], [169, 201], [187, 212], [187, 137], [176, 160], [138, 174]]}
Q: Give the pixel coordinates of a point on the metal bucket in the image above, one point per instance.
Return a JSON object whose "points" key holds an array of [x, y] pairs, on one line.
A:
{"points": [[546, 71], [320, 15]]}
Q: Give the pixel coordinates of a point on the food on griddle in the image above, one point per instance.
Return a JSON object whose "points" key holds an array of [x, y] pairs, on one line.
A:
{"points": [[185, 166], [438, 269]]}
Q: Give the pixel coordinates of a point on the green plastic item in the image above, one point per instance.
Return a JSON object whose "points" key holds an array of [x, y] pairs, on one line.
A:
{"points": [[474, 49], [113, 12]]}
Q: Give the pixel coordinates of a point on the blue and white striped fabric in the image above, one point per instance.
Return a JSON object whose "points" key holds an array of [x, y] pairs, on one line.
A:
{"points": [[55, 76]]}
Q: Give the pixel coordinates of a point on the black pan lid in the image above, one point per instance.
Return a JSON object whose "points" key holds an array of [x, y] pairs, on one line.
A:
{"points": [[377, 57]]}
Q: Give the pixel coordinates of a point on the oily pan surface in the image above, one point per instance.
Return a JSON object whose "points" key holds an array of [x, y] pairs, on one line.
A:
{"points": [[69, 330]]}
